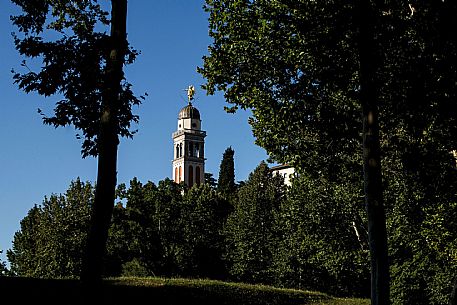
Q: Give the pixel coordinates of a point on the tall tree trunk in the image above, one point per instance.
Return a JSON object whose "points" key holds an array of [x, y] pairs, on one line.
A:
{"points": [[377, 234], [107, 144], [453, 298]]}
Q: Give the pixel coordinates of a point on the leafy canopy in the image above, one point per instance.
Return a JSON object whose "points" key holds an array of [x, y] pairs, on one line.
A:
{"points": [[294, 65], [52, 235], [64, 36]]}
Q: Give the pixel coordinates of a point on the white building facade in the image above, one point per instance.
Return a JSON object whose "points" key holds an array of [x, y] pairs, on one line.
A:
{"points": [[286, 171]]}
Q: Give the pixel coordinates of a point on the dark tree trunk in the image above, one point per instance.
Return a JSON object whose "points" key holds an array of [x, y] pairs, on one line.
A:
{"points": [[107, 148], [453, 299], [369, 61]]}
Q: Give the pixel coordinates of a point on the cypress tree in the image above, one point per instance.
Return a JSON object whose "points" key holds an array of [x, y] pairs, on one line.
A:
{"points": [[226, 182]]}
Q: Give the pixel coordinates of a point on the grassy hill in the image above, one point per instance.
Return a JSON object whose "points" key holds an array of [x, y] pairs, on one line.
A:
{"points": [[160, 291]]}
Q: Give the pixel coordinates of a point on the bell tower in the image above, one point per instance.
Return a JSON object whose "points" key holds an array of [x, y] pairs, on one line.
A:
{"points": [[189, 145]]}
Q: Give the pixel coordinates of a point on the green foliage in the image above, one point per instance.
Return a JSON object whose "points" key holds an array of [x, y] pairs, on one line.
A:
{"points": [[168, 212], [322, 239], [419, 170], [144, 229], [52, 235], [250, 235], [278, 58], [3, 268], [169, 233], [226, 181], [309, 236], [203, 215], [135, 268], [61, 34], [423, 240], [295, 64], [209, 179]]}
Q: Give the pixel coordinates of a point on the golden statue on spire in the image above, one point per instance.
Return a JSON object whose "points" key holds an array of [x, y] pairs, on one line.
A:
{"points": [[190, 93]]}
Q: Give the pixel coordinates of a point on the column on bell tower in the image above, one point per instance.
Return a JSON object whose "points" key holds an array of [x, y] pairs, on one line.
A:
{"points": [[188, 147]]}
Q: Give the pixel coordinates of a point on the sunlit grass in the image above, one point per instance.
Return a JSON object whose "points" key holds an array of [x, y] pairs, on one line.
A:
{"points": [[241, 293]]}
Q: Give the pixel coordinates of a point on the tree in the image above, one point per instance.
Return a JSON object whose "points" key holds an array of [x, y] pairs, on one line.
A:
{"points": [[161, 231], [118, 249], [129, 236], [168, 203], [142, 228], [203, 215], [51, 240], [86, 68], [419, 134], [250, 235], [308, 69], [226, 180], [209, 179], [138, 238], [453, 298], [422, 233], [21, 257], [369, 61], [3, 268], [322, 240], [146, 232], [302, 99]]}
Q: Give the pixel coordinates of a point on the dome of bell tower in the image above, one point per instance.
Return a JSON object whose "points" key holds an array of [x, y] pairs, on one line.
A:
{"points": [[189, 112]]}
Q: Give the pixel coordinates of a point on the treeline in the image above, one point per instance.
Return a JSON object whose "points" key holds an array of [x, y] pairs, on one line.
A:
{"points": [[311, 235]]}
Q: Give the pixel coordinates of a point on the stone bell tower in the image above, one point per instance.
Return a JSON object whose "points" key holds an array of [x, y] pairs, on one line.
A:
{"points": [[189, 145]]}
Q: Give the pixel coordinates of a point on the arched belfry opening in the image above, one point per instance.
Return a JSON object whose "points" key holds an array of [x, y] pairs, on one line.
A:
{"points": [[188, 145]]}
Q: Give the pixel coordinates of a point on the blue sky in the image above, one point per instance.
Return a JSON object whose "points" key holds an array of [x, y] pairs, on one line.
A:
{"points": [[38, 160]]}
